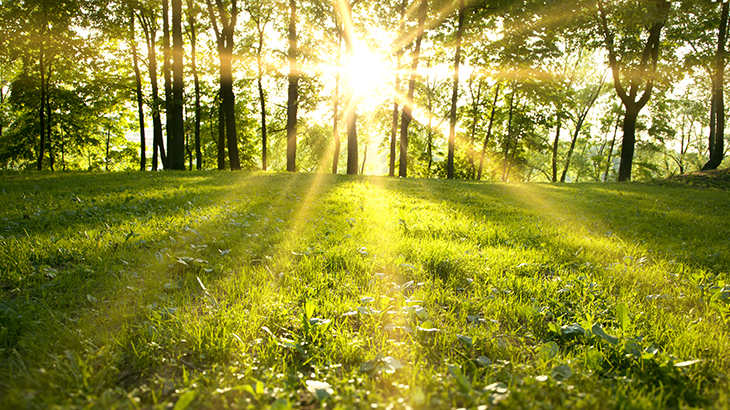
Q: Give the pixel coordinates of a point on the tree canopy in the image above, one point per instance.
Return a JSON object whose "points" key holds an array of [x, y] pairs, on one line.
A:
{"points": [[485, 89]]}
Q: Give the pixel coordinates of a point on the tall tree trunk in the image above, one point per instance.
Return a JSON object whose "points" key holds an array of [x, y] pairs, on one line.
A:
{"points": [[628, 143], [196, 79], [578, 126], [227, 110], [169, 134], [336, 114], [229, 103], [396, 89], [717, 149], [476, 101], [140, 106], [351, 121], [429, 127], [508, 142], [292, 104], [364, 159], [351, 97], [49, 122], [610, 148], [408, 106], [41, 108], [556, 142], [262, 97], [108, 143], [157, 144], [177, 149], [221, 135], [489, 133], [455, 94]]}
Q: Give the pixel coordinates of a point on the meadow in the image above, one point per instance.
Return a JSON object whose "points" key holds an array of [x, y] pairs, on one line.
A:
{"points": [[264, 290]]}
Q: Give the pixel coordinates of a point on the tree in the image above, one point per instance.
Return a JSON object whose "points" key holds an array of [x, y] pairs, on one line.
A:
{"points": [[640, 74], [717, 129], [293, 92], [138, 91], [455, 92], [407, 115], [227, 108], [149, 25], [192, 17], [261, 14], [176, 143]]}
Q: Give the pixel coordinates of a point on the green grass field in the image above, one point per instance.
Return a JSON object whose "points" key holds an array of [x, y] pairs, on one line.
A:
{"points": [[235, 290]]}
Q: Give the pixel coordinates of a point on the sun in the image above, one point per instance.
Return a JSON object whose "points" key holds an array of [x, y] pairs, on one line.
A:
{"points": [[366, 72]]}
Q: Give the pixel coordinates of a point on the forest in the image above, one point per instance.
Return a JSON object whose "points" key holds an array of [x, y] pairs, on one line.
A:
{"points": [[417, 213], [503, 90]]}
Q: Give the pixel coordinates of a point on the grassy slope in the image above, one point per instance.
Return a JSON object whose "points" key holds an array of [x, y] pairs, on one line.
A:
{"points": [[235, 290]]}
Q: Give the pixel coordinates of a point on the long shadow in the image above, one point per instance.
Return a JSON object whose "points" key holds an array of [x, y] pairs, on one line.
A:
{"points": [[632, 215], [205, 226]]}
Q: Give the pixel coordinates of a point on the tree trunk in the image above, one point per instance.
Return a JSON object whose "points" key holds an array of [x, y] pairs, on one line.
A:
{"points": [[408, 106], [578, 126], [41, 110], [351, 97], [177, 149], [364, 159], [140, 106], [455, 94], [717, 150], [221, 136], [229, 103], [628, 143], [335, 114], [394, 123], [610, 149], [476, 101], [489, 133], [509, 136], [196, 80], [108, 142], [556, 141], [49, 122], [292, 104], [169, 134], [429, 127], [157, 144], [396, 89], [227, 109], [262, 101]]}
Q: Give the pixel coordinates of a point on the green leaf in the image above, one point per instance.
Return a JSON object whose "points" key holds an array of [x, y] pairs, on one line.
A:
{"points": [[185, 400], [632, 347], [320, 390], [561, 372], [622, 313], [484, 361], [309, 308], [598, 331], [572, 331], [461, 380], [548, 351], [594, 359], [466, 340]]}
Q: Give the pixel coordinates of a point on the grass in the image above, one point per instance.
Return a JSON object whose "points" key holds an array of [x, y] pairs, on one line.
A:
{"points": [[235, 290]]}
